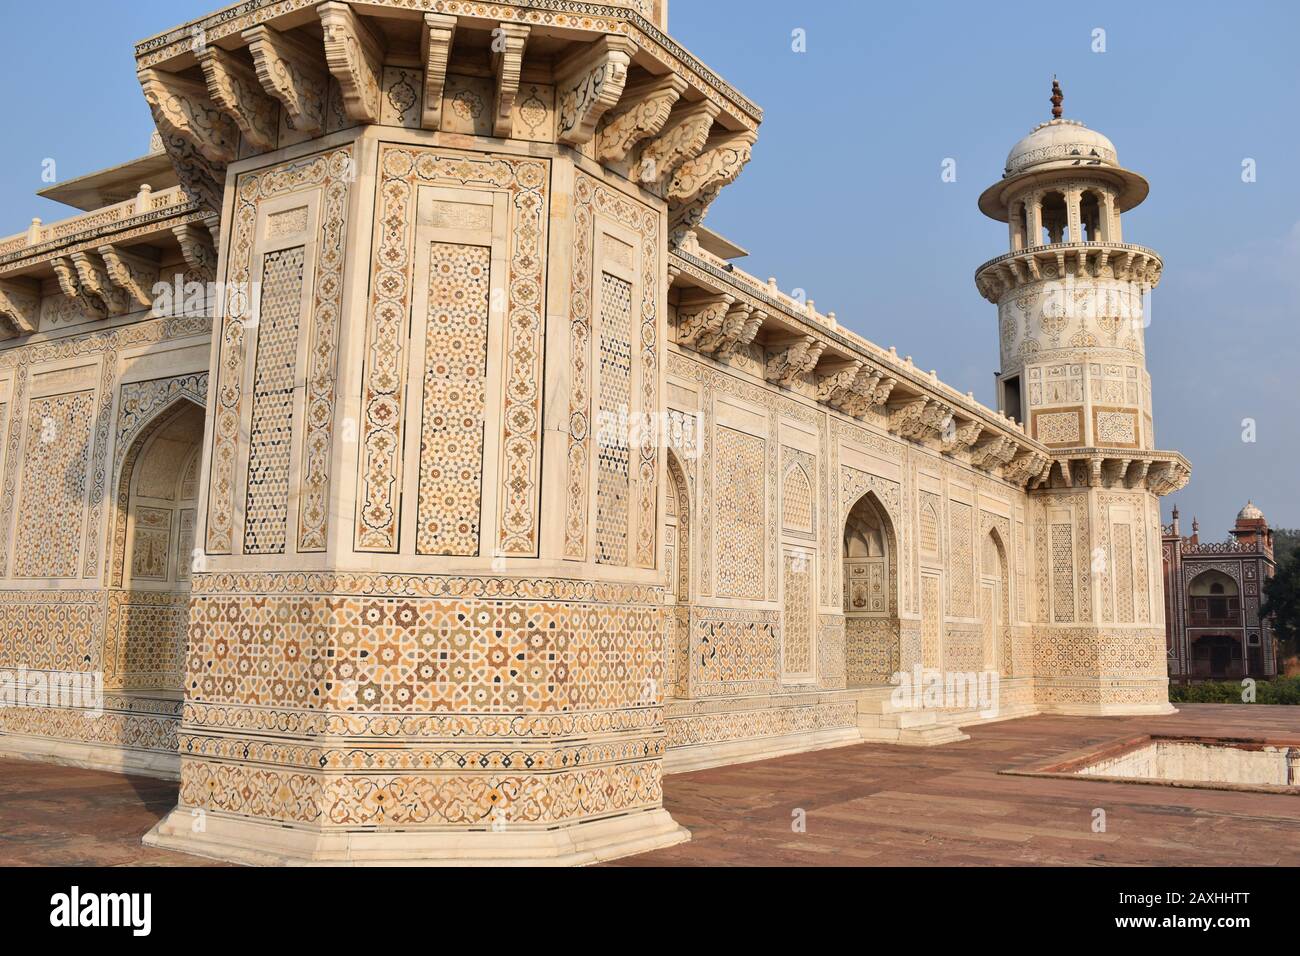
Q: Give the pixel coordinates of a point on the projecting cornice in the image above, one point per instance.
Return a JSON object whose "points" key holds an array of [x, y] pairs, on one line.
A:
{"points": [[1118, 260], [174, 50], [1159, 472], [722, 313], [612, 87], [787, 365], [71, 285], [96, 283]]}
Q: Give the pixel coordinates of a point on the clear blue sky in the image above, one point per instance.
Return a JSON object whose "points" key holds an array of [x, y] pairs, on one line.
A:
{"points": [[844, 198]]}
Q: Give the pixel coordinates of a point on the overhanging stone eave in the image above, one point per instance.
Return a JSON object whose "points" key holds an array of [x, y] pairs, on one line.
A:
{"points": [[173, 50], [911, 380], [142, 228]]}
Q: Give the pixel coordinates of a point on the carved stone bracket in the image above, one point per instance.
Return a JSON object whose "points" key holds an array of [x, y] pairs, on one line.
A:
{"points": [[958, 437], [1025, 465], [70, 284], [183, 108], [20, 305], [641, 114], [682, 138], [293, 73], [233, 86], [739, 327], [994, 453], [787, 365], [701, 320], [435, 41], [870, 387], [134, 274], [198, 248], [590, 85], [719, 164], [835, 389], [918, 418], [1138, 475], [96, 283], [697, 182], [1173, 477], [508, 65], [355, 58]]}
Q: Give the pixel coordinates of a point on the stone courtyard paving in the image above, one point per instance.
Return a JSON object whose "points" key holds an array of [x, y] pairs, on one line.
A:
{"points": [[866, 805]]}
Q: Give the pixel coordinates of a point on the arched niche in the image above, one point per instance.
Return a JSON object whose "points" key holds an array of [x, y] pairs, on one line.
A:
{"points": [[870, 574], [153, 539]]}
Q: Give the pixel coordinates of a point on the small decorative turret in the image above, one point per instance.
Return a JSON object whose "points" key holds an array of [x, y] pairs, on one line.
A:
{"points": [[1070, 291], [1253, 526]]}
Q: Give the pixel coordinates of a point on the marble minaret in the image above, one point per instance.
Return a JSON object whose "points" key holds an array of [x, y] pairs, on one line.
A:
{"points": [[1070, 295]]}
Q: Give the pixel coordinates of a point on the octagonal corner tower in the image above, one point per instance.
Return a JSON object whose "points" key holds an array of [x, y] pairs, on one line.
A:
{"points": [[1071, 317], [427, 620]]}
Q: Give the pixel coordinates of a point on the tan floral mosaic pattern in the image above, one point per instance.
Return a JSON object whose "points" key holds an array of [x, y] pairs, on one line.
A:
{"points": [[961, 576], [322, 357], [509, 796], [267, 512], [1058, 428], [402, 170], [117, 727], [149, 644], [150, 550], [1123, 573], [52, 507], [871, 650], [740, 514], [1080, 665], [797, 621], [99, 462], [454, 399], [71, 624], [798, 716], [397, 654], [734, 652], [479, 678], [931, 625]]}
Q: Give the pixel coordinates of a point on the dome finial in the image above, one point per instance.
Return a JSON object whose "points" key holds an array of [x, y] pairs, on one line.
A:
{"points": [[1057, 98]]}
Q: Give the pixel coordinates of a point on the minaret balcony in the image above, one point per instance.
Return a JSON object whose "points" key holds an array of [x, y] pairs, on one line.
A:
{"points": [[1095, 260], [1158, 472]]}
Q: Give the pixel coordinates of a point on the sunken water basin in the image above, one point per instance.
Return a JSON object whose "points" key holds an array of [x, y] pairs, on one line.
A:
{"points": [[1220, 763]]}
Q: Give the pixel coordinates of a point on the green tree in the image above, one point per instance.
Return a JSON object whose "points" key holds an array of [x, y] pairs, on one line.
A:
{"points": [[1282, 600], [1285, 542]]}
